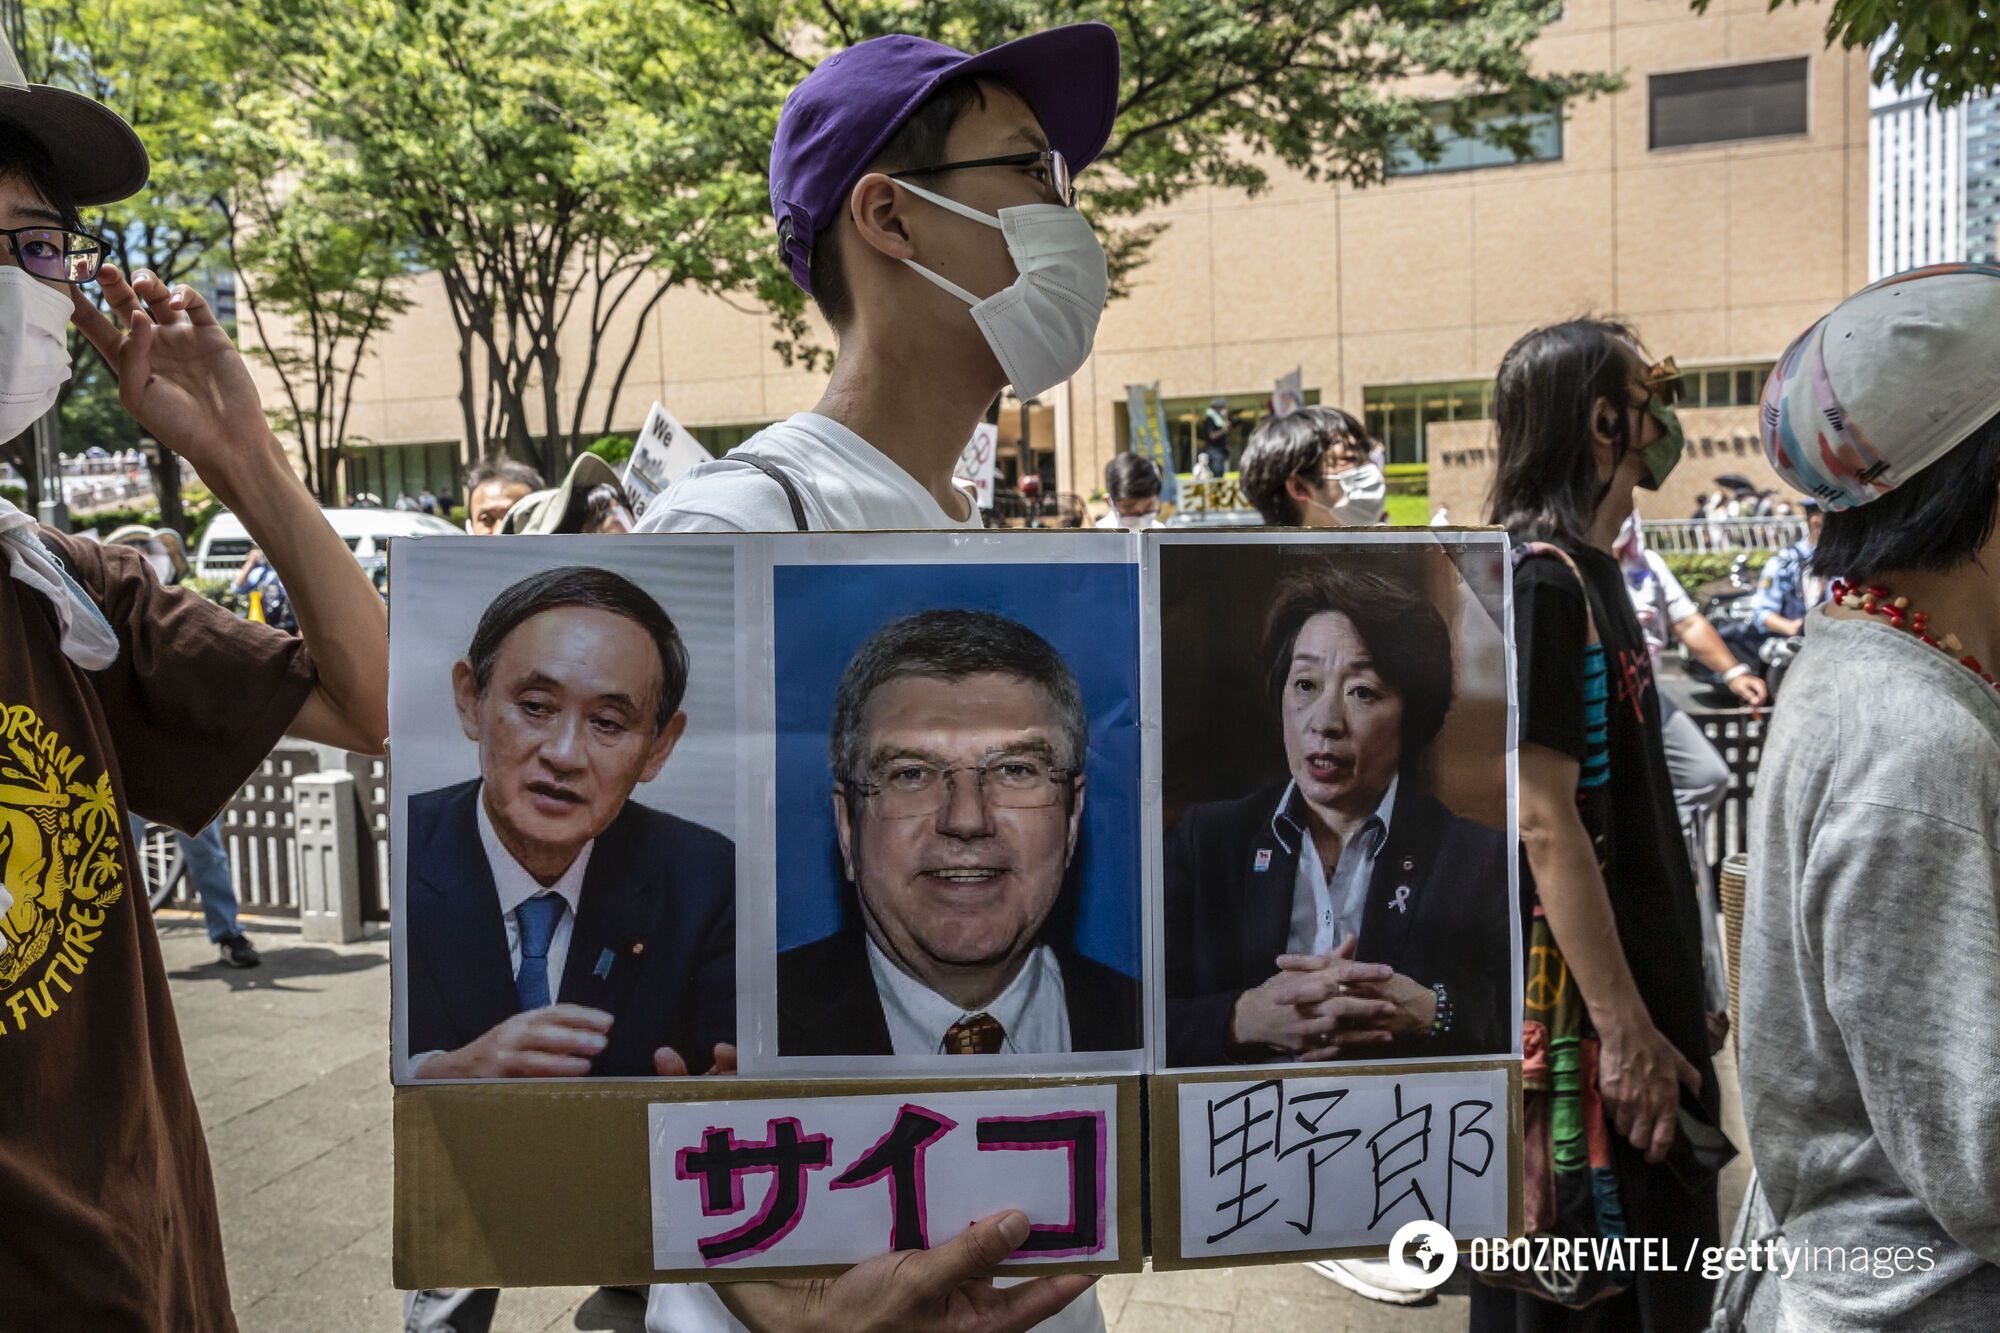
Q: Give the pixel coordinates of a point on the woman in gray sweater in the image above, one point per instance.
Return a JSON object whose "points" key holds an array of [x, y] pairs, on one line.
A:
{"points": [[1870, 988]]}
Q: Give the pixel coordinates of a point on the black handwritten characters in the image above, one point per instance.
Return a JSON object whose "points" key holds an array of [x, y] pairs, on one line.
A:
{"points": [[788, 1183], [1286, 1164]]}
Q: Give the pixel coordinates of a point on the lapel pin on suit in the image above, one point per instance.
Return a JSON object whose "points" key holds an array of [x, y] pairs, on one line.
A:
{"points": [[1401, 902], [634, 947], [1263, 862]]}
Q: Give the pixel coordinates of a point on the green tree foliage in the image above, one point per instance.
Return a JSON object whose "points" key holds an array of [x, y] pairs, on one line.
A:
{"points": [[559, 164], [239, 190], [319, 268], [1950, 47], [1218, 92], [139, 57], [557, 167]]}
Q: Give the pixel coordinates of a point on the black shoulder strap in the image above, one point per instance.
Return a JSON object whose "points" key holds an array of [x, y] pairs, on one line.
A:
{"points": [[1525, 550], [777, 474]]}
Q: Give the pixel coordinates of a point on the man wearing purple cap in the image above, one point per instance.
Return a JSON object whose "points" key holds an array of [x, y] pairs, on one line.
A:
{"points": [[1870, 965], [923, 198]]}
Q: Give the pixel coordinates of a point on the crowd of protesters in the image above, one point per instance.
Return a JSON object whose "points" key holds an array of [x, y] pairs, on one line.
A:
{"points": [[924, 199]]}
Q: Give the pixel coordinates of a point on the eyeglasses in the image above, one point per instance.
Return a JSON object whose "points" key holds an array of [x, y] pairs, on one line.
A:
{"points": [[912, 788], [1054, 167], [61, 256], [1664, 381]]}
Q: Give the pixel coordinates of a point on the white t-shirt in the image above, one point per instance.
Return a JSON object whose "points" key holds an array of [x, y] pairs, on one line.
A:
{"points": [[845, 484], [1658, 600]]}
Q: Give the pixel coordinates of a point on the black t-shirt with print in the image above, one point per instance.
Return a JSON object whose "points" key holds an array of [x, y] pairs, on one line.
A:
{"points": [[1646, 869]]}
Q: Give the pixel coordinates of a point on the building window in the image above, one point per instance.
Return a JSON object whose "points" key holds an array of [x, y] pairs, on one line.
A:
{"points": [[1540, 134], [1398, 414], [1739, 385], [1702, 106], [381, 473]]}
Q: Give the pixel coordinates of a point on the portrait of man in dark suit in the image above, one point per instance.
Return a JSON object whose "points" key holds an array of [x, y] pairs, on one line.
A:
{"points": [[554, 926], [1345, 913], [958, 746]]}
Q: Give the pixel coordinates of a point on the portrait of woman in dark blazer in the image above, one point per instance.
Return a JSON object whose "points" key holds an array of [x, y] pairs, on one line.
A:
{"points": [[1346, 913]]}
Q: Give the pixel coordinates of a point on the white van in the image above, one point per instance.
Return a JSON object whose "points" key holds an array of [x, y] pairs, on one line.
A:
{"points": [[366, 532]]}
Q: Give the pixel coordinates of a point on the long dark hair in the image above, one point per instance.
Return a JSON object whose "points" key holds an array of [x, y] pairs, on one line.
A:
{"points": [[1547, 487]]}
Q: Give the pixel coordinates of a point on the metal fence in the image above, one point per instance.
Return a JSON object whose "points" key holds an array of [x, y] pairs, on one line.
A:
{"points": [[1738, 736], [258, 826], [260, 836], [1683, 536]]}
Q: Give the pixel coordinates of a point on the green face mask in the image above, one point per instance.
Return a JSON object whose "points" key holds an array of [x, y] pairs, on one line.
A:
{"points": [[1664, 453]]}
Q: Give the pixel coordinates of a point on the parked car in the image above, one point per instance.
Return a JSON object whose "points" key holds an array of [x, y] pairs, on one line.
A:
{"points": [[367, 533]]}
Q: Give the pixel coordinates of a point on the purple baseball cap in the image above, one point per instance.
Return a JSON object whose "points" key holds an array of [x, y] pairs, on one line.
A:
{"points": [[835, 122]]}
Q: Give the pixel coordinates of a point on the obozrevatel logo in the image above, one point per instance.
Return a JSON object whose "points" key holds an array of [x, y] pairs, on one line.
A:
{"points": [[1425, 1253]]}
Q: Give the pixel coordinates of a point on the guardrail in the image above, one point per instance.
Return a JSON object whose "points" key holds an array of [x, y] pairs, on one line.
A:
{"points": [[1683, 536], [260, 832]]}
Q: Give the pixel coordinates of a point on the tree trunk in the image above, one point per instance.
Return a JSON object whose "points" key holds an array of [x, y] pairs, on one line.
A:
{"points": [[165, 465]]}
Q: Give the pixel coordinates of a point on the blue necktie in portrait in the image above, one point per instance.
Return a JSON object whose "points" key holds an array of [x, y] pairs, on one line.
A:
{"points": [[537, 917]]}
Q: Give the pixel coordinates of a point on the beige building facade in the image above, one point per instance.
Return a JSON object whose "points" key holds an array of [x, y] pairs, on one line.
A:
{"points": [[1718, 204]]}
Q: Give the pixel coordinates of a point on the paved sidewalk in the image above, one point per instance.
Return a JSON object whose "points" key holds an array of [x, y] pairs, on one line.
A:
{"points": [[290, 1064]]}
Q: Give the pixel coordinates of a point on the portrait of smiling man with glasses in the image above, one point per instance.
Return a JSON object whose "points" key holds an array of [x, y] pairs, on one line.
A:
{"points": [[958, 750]]}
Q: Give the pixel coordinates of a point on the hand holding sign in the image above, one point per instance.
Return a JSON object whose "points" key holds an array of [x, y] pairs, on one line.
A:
{"points": [[949, 1290]]}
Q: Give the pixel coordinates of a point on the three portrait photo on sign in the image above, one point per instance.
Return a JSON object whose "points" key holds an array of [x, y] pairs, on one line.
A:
{"points": [[868, 804]]}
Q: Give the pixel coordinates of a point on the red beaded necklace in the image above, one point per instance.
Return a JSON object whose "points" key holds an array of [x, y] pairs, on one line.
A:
{"points": [[1879, 601]]}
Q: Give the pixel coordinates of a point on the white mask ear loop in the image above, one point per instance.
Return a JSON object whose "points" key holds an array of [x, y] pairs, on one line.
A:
{"points": [[950, 206]]}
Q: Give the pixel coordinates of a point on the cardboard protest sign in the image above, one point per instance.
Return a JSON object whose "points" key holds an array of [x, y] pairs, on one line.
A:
{"points": [[1332, 850], [979, 465], [1289, 394], [589, 802], [910, 672], [908, 1175], [663, 451], [1148, 434], [1304, 1163], [542, 1182], [564, 713], [715, 857]]}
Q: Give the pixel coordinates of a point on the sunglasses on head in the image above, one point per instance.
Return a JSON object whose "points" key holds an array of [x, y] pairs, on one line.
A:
{"points": [[1663, 381]]}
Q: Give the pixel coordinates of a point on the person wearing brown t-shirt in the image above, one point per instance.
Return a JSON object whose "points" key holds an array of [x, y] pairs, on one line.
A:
{"points": [[118, 694]]}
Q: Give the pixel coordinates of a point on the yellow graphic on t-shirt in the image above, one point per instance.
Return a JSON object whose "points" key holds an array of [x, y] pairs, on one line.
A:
{"points": [[59, 866]]}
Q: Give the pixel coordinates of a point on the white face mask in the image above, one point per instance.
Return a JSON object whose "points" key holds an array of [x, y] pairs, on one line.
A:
{"points": [[162, 566], [34, 350], [1041, 327], [1364, 495]]}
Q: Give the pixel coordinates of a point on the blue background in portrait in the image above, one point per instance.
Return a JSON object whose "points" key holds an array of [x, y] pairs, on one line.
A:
{"points": [[1088, 612]]}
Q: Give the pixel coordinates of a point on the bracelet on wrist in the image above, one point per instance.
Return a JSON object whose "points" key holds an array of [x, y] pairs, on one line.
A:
{"points": [[1441, 1019], [1736, 672]]}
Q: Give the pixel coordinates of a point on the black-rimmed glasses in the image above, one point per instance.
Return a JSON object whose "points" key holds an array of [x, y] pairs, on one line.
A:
{"points": [[58, 255], [1055, 171]]}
